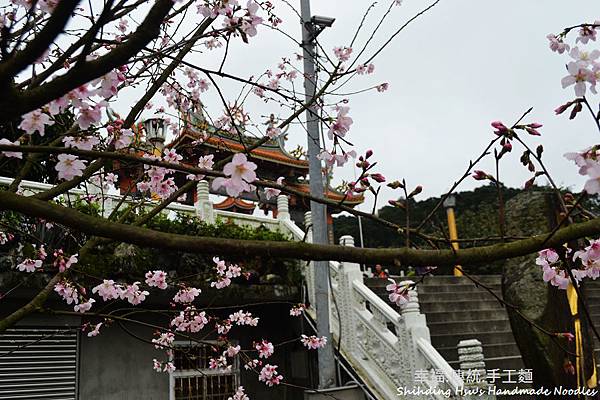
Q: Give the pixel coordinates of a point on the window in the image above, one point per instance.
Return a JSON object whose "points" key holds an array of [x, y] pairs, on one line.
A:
{"points": [[38, 363], [193, 380]]}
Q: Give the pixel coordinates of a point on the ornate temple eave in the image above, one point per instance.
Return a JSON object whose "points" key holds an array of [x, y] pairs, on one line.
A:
{"points": [[272, 154], [231, 203]]}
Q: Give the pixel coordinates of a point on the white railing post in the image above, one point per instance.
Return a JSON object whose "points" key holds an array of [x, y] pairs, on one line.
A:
{"points": [[204, 207], [472, 369], [309, 274], [347, 273], [283, 208], [415, 321]]}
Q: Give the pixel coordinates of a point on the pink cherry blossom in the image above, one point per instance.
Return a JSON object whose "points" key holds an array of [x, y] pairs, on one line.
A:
{"points": [[383, 87], [342, 53], [35, 121], [239, 394], [584, 58], [296, 311], [123, 139], [169, 367], [557, 44], [108, 290], [232, 351], [89, 115], [83, 307], [242, 318], [342, 123], [13, 154], [29, 265], [398, 293], [83, 143], [156, 279], [547, 257], [186, 295], [272, 192], [587, 33], [96, 331], [265, 349], [578, 76], [240, 173], [313, 342], [224, 327], [171, 156], [273, 132], [218, 363], [269, 375], [67, 291], [221, 282], [69, 166], [133, 294], [164, 340], [190, 320]]}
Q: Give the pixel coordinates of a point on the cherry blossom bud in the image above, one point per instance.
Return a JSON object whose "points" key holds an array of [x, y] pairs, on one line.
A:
{"points": [[395, 185], [415, 192], [568, 367], [578, 107], [561, 109], [378, 178], [567, 335], [369, 153], [507, 146], [480, 175], [396, 203], [501, 129], [529, 183]]}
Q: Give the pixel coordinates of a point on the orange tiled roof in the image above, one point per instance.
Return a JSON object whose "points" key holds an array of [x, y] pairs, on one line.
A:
{"points": [[262, 153], [231, 202], [331, 194]]}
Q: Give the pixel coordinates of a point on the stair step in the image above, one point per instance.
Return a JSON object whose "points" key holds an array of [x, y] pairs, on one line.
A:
{"points": [[466, 315], [463, 305], [470, 327], [451, 297], [452, 339], [454, 280], [443, 296], [458, 287]]}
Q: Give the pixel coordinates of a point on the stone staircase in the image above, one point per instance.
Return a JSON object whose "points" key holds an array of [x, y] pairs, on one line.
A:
{"points": [[457, 310]]}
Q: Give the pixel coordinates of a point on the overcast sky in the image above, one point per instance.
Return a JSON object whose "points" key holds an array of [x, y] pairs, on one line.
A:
{"points": [[451, 72]]}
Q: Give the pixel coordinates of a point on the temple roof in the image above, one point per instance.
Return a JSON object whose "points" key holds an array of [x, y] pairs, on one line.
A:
{"points": [[231, 203], [273, 150], [331, 194]]}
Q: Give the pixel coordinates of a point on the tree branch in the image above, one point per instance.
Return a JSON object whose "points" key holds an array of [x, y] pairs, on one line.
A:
{"points": [[305, 251]]}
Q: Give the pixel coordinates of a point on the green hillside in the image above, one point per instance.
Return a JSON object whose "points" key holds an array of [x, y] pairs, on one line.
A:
{"points": [[476, 217]]}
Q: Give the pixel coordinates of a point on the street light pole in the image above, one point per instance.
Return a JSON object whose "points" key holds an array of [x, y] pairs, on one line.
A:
{"points": [[326, 362]]}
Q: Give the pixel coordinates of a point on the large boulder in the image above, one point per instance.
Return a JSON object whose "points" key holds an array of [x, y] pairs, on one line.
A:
{"points": [[531, 213]]}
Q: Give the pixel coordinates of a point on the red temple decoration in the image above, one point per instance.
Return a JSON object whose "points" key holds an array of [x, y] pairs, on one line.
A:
{"points": [[198, 139]]}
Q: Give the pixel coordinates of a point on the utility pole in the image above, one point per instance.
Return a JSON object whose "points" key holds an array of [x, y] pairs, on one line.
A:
{"points": [[311, 27]]}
